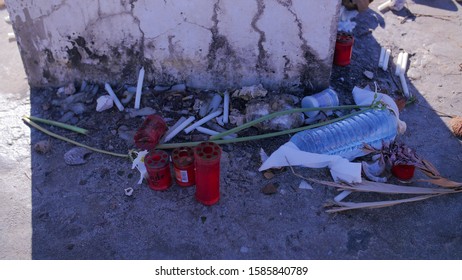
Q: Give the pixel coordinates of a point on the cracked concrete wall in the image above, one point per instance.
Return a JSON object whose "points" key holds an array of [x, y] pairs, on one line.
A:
{"points": [[214, 44]]}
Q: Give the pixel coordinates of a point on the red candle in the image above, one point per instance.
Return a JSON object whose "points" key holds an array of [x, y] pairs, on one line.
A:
{"points": [[207, 161], [183, 164], [158, 168]]}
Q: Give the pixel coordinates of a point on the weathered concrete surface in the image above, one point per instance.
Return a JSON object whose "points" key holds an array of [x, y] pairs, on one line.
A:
{"points": [[81, 212], [15, 178], [205, 44]]}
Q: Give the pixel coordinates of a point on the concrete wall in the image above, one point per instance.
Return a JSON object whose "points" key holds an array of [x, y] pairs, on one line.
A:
{"points": [[203, 43]]}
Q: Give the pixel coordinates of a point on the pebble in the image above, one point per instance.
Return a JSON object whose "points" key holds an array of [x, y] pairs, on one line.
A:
{"points": [[66, 117], [244, 250], [78, 108]]}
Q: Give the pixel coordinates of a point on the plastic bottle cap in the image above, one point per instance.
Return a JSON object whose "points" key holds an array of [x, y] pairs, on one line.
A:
{"points": [[310, 102]]}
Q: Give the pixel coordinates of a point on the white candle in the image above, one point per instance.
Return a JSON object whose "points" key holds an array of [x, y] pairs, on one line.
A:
{"points": [[139, 88], [404, 85], [204, 120], [403, 66], [398, 64], [179, 128], [382, 56], [226, 107], [213, 132], [114, 96], [386, 59], [385, 5]]}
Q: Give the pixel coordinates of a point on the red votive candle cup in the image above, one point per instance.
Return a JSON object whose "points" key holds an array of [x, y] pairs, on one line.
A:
{"points": [[158, 168], [183, 164], [207, 161], [343, 49]]}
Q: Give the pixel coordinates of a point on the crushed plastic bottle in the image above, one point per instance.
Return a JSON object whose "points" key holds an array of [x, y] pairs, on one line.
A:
{"points": [[345, 138]]}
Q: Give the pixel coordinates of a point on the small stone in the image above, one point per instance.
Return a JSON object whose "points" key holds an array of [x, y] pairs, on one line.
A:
{"points": [[42, 147], [69, 89], [78, 108], [270, 189], [76, 156], [304, 185], [268, 175], [104, 102], [66, 117], [244, 250], [128, 191], [369, 74]]}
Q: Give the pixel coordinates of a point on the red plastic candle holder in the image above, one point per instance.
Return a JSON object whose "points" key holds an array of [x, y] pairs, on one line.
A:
{"points": [[158, 168], [403, 172], [343, 49], [183, 164], [207, 161]]}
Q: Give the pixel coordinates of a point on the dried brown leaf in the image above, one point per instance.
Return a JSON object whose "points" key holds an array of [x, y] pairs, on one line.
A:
{"points": [[344, 206], [270, 189], [443, 182]]}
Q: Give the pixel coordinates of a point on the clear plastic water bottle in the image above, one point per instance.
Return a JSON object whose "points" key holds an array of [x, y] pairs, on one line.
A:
{"points": [[325, 98], [345, 138]]}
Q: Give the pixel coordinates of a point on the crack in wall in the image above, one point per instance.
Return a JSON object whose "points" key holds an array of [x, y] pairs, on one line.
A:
{"points": [[262, 62], [219, 42], [309, 71]]}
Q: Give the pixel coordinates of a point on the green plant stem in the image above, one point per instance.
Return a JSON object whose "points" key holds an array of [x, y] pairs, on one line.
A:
{"points": [[277, 114], [30, 122], [259, 137], [58, 124]]}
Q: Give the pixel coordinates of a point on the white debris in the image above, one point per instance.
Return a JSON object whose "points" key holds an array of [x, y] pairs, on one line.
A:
{"points": [[251, 92], [138, 163], [203, 120], [146, 111], [128, 191], [179, 128], [304, 185], [369, 74], [104, 102], [215, 103], [226, 107], [263, 155]]}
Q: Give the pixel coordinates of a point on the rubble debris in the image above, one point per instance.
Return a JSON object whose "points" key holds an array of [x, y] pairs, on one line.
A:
{"points": [[139, 88], [8, 19], [114, 97], [270, 188], [146, 111], [268, 175], [368, 74], [304, 185], [104, 102], [263, 155], [66, 117], [127, 134], [456, 126], [42, 147], [78, 108], [257, 108], [76, 156], [128, 191], [251, 92], [236, 118], [374, 170], [127, 97], [203, 120]]}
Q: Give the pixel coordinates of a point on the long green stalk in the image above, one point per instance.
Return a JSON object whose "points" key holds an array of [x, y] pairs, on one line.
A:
{"points": [[281, 113], [58, 124], [259, 137], [30, 122]]}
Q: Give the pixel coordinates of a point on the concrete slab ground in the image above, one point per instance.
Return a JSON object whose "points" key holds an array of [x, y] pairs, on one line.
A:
{"points": [[49, 210]]}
